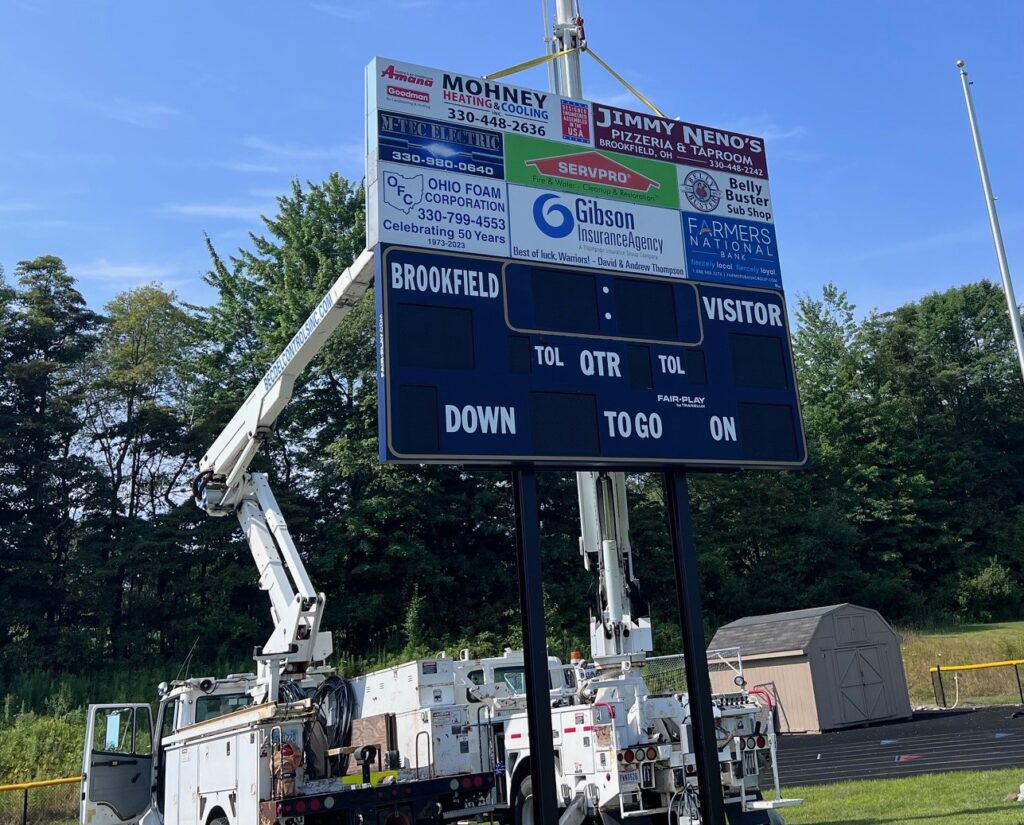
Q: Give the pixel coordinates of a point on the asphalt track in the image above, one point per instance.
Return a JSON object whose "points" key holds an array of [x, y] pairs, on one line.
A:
{"points": [[932, 742]]}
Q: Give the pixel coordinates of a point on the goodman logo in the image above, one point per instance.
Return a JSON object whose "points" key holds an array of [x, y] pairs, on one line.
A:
{"points": [[547, 206]]}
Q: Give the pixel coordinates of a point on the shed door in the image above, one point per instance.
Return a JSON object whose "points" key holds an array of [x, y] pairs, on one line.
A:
{"points": [[862, 685]]}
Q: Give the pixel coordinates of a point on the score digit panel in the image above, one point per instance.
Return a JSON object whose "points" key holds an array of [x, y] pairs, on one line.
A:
{"points": [[493, 362]]}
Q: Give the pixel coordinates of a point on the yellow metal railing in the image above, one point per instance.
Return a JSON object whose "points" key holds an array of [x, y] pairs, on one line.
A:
{"points": [[42, 783], [940, 690], [42, 809]]}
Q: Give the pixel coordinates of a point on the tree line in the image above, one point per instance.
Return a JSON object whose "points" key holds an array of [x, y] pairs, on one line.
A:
{"points": [[912, 503]]}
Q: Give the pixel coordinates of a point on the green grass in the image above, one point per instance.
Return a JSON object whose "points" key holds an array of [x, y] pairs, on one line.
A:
{"points": [[964, 645], [961, 798]]}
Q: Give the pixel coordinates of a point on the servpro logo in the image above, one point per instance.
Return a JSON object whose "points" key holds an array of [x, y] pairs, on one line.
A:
{"points": [[594, 167]]}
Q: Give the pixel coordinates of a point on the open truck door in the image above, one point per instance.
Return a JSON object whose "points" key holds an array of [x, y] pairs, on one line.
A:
{"points": [[117, 768]]}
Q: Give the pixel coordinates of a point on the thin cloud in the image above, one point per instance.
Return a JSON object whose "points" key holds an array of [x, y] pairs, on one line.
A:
{"points": [[255, 168], [17, 206], [765, 127], [339, 11], [621, 100], [105, 270], [224, 211], [972, 234], [145, 115], [294, 151]]}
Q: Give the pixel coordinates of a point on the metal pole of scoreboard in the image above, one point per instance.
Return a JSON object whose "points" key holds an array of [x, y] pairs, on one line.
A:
{"points": [[993, 219], [544, 804], [535, 650], [698, 682]]}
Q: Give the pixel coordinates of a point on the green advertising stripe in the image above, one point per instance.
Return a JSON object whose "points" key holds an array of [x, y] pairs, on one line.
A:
{"points": [[535, 162]]}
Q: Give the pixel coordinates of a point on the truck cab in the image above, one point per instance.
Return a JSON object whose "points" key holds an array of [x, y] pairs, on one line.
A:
{"points": [[124, 767]]}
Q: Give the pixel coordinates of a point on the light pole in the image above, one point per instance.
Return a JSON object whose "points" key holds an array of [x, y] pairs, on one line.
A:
{"points": [[993, 218]]}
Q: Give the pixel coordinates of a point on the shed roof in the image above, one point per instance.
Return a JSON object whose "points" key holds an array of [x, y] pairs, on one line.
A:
{"points": [[774, 632]]}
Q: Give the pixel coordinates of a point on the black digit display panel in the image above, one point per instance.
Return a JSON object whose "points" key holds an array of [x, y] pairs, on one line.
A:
{"points": [[608, 305], [483, 361], [565, 301], [440, 337]]}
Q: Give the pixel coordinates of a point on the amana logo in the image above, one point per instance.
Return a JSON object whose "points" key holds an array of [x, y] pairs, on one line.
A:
{"points": [[543, 209]]}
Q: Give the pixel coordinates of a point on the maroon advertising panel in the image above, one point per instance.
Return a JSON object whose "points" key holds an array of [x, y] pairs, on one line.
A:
{"points": [[660, 138]]}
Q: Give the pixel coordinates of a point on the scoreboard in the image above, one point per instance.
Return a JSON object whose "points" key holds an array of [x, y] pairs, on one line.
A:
{"points": [[561, 282], [497, 362]]}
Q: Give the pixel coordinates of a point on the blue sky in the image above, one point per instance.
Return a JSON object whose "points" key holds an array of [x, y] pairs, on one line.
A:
{"points": [[130, 129]]}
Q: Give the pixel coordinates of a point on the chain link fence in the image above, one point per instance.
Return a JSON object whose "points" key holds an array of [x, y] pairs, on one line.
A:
{"points": [[54, 802], [667, 674]]}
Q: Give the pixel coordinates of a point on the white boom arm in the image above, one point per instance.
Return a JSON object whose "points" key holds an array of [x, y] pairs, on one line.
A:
{"points": [[224, 486], [233, 450], [620, 630]]}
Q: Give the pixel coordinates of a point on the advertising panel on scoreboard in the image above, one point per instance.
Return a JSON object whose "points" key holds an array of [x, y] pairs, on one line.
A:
{"points": [[576, 229], [556, 164], [442, 210], [647, 135], [580, 170], [566, 282]]}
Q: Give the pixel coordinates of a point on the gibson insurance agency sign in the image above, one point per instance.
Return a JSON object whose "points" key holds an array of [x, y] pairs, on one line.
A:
{"points": [[460, 164]]}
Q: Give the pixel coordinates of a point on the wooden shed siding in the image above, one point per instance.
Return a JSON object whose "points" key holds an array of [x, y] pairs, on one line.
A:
{"points": [[788, 678]]}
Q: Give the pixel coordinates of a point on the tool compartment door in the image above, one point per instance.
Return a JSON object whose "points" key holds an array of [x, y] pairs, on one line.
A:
{"points": [[117, 766]]}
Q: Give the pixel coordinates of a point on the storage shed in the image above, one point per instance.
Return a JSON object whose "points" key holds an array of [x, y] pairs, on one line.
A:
{"points": [[829, 667]]}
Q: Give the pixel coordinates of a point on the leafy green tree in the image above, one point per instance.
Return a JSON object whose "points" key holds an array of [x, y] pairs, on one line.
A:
{"points": [[43, 478], [943, 375], [137, 419]]}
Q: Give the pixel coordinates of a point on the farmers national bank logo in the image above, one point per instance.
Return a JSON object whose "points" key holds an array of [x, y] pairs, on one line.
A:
{"points": [[604, 226], [414, 86]]}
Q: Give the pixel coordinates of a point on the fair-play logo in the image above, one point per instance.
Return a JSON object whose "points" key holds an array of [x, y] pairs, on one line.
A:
{"points": [[552, 217]]}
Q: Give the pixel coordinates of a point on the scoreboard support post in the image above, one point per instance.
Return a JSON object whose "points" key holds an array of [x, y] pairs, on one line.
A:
{"points": [[698, 683], [535, 649]]}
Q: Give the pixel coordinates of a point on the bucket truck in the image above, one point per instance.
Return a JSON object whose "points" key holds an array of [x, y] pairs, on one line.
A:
{"points": [[271, 746], [624, 753]]}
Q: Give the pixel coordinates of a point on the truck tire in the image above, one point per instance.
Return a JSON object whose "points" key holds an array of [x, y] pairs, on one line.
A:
{"points": [[220, 820], [522, 803]]}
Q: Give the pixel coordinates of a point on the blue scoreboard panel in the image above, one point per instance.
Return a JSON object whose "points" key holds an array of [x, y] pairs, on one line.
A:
{"points": [[493, 362]]}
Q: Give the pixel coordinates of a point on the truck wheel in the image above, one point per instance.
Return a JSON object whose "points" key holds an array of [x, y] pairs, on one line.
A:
{"points": [[523, 802], [220, 820]]}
